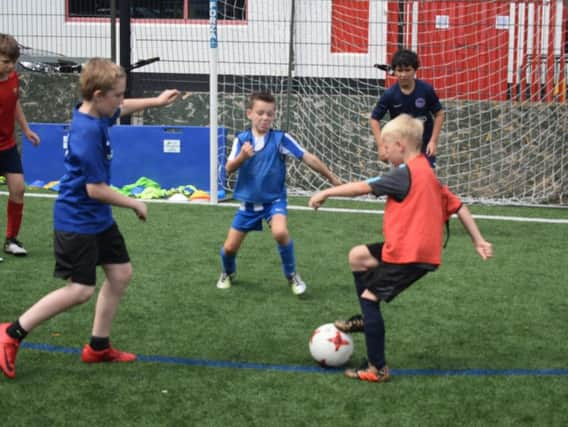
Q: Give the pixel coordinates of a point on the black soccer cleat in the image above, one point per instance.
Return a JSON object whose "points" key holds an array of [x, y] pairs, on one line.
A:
{"points": [[353, 324]]}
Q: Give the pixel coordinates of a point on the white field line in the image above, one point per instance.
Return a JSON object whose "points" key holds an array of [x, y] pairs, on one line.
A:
{"points": [[338, 210]]}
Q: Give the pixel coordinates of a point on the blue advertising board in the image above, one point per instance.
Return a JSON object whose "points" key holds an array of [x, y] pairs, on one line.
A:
{"points": [[170, 155]]}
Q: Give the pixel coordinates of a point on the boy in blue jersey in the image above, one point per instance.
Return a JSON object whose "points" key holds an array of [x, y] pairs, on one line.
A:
{"points": [[85, 233], [259, 154], [411, 96]]}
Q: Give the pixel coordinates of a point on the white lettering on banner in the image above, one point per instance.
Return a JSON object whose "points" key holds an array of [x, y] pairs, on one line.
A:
{"points": [[213, 24]]}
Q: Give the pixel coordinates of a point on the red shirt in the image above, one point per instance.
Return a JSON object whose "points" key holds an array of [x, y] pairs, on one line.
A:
{"points": [[414, 227], [9, 94]]}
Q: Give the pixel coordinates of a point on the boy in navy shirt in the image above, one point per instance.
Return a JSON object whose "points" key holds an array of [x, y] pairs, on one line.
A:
{"points": [[417, 208], [259, 154], [85, 233], [411, 96]]}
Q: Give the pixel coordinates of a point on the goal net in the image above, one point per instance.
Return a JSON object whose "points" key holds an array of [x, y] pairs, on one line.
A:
{"points": [[498, 67]]}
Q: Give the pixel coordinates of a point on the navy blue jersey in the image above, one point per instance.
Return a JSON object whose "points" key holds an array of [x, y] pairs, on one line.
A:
{"points": [[88, 155], [422, 103]]}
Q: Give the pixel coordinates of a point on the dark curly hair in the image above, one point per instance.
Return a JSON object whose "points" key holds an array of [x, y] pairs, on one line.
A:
{"points": [[405, 58]]}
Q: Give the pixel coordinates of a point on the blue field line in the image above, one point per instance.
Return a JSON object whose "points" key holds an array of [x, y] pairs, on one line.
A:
{"points": [[315, 369]]}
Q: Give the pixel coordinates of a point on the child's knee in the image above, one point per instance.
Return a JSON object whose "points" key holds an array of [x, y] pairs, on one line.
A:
{"points": [[230, 248], [281, 235], [357, 257], [82, 293], [119, 275], [124, 275]]}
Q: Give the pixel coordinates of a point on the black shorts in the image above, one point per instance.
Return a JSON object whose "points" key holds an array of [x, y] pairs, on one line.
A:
{"points": [[10, 161], [77, 255], [388, 280]]}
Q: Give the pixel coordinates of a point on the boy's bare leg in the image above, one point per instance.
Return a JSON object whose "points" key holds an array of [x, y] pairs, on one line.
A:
{"points": [[16, 187], [100, 349], [54, 303], [117, 278]]}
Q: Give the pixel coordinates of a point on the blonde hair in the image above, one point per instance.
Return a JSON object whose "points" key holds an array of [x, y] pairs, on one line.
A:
{"points": [[405, 127], [99, 74]]}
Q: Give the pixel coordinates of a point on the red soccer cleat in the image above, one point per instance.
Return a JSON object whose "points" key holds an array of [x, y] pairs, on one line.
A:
{"points": [[108, 355], [8, 350], [369, 373]]}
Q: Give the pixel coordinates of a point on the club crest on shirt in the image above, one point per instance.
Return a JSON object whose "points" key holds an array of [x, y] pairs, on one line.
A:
{"points": [[420, 102]]}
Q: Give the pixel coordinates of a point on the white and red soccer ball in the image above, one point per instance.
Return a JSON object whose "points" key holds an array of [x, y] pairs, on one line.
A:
{"points": [[330, 347]]}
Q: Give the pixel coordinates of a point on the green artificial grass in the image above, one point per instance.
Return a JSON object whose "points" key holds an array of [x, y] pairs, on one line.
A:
{"points": [[473, 317]]}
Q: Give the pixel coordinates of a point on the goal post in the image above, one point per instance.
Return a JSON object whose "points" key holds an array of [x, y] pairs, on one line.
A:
{"points": [[213, 117], [499, 68]]}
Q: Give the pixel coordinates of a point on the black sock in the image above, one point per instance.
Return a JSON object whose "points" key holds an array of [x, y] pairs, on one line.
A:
{"points": [[374, 332], [373, 321], [359, 284], [99, 343], [16, 331]]}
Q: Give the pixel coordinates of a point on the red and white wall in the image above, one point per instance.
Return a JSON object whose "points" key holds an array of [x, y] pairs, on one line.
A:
{"points": [[490, 50]]}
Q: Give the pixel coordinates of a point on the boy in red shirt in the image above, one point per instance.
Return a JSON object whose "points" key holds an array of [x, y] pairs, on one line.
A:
{"points": [[417, 208], [10, 161]]}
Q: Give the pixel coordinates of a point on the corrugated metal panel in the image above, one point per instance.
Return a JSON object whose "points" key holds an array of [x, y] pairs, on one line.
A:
{"points": [[485, 50]]}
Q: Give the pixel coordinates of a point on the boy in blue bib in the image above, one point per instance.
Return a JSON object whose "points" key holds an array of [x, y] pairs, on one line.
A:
{"points": [[259, 154]]}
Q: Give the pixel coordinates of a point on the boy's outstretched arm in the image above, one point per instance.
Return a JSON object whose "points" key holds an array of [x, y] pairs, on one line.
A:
{"points": [[105, 194], [482, 246], [133, 105], [316, 164], [350, 189]]}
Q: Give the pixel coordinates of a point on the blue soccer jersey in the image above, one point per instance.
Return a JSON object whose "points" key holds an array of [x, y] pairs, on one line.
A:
{"points": [[262, 178], [422, 103], [88, 154]]}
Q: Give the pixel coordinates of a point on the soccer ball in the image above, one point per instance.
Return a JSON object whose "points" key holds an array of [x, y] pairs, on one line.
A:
{"points": [[330, 347]]}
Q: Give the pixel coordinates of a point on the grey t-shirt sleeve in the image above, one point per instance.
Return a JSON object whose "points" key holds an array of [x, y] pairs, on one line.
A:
{"points": [[395, 183]]}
